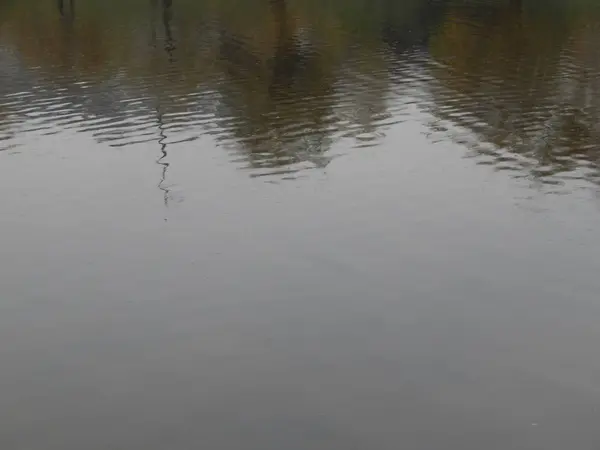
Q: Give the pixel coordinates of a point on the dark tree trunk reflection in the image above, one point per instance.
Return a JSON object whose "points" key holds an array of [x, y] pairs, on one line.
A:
{"points": [[286, 59], [66, 8]]}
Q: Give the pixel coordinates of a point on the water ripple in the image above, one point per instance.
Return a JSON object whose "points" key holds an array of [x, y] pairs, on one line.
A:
{"points": [[517, 90]]}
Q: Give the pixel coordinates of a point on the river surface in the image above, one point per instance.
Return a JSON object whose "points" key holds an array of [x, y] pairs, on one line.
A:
{"points": [[301, 224]]}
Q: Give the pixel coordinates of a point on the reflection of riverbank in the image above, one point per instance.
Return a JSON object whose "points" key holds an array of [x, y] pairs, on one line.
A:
{"points": [[268, 80], [282, 80], [520, 94]]}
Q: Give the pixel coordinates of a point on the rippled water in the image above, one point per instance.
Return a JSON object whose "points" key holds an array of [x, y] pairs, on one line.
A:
{"points": [[295, 224], [279, 84]]}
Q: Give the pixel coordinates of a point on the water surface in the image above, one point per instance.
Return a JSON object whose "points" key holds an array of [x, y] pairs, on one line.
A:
{"points": [[299, 224]]}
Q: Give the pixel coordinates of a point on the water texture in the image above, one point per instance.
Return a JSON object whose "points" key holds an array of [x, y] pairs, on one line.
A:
{"points": [[299, 224]]}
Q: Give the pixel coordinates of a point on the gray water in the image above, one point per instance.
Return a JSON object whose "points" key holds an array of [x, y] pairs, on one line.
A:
{"points": [[299, 225]]}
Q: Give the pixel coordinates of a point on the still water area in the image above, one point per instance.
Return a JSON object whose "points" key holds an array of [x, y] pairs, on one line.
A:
{"points": [[299, 224]]}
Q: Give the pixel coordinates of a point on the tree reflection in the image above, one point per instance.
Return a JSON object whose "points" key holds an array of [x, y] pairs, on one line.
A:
{"points": [[277, 70], [518, 92], [279, 81], [66, 8], [278, 92]]}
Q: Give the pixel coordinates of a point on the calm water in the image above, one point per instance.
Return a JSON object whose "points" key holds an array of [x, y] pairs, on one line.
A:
{"points": [[299, 224]]}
